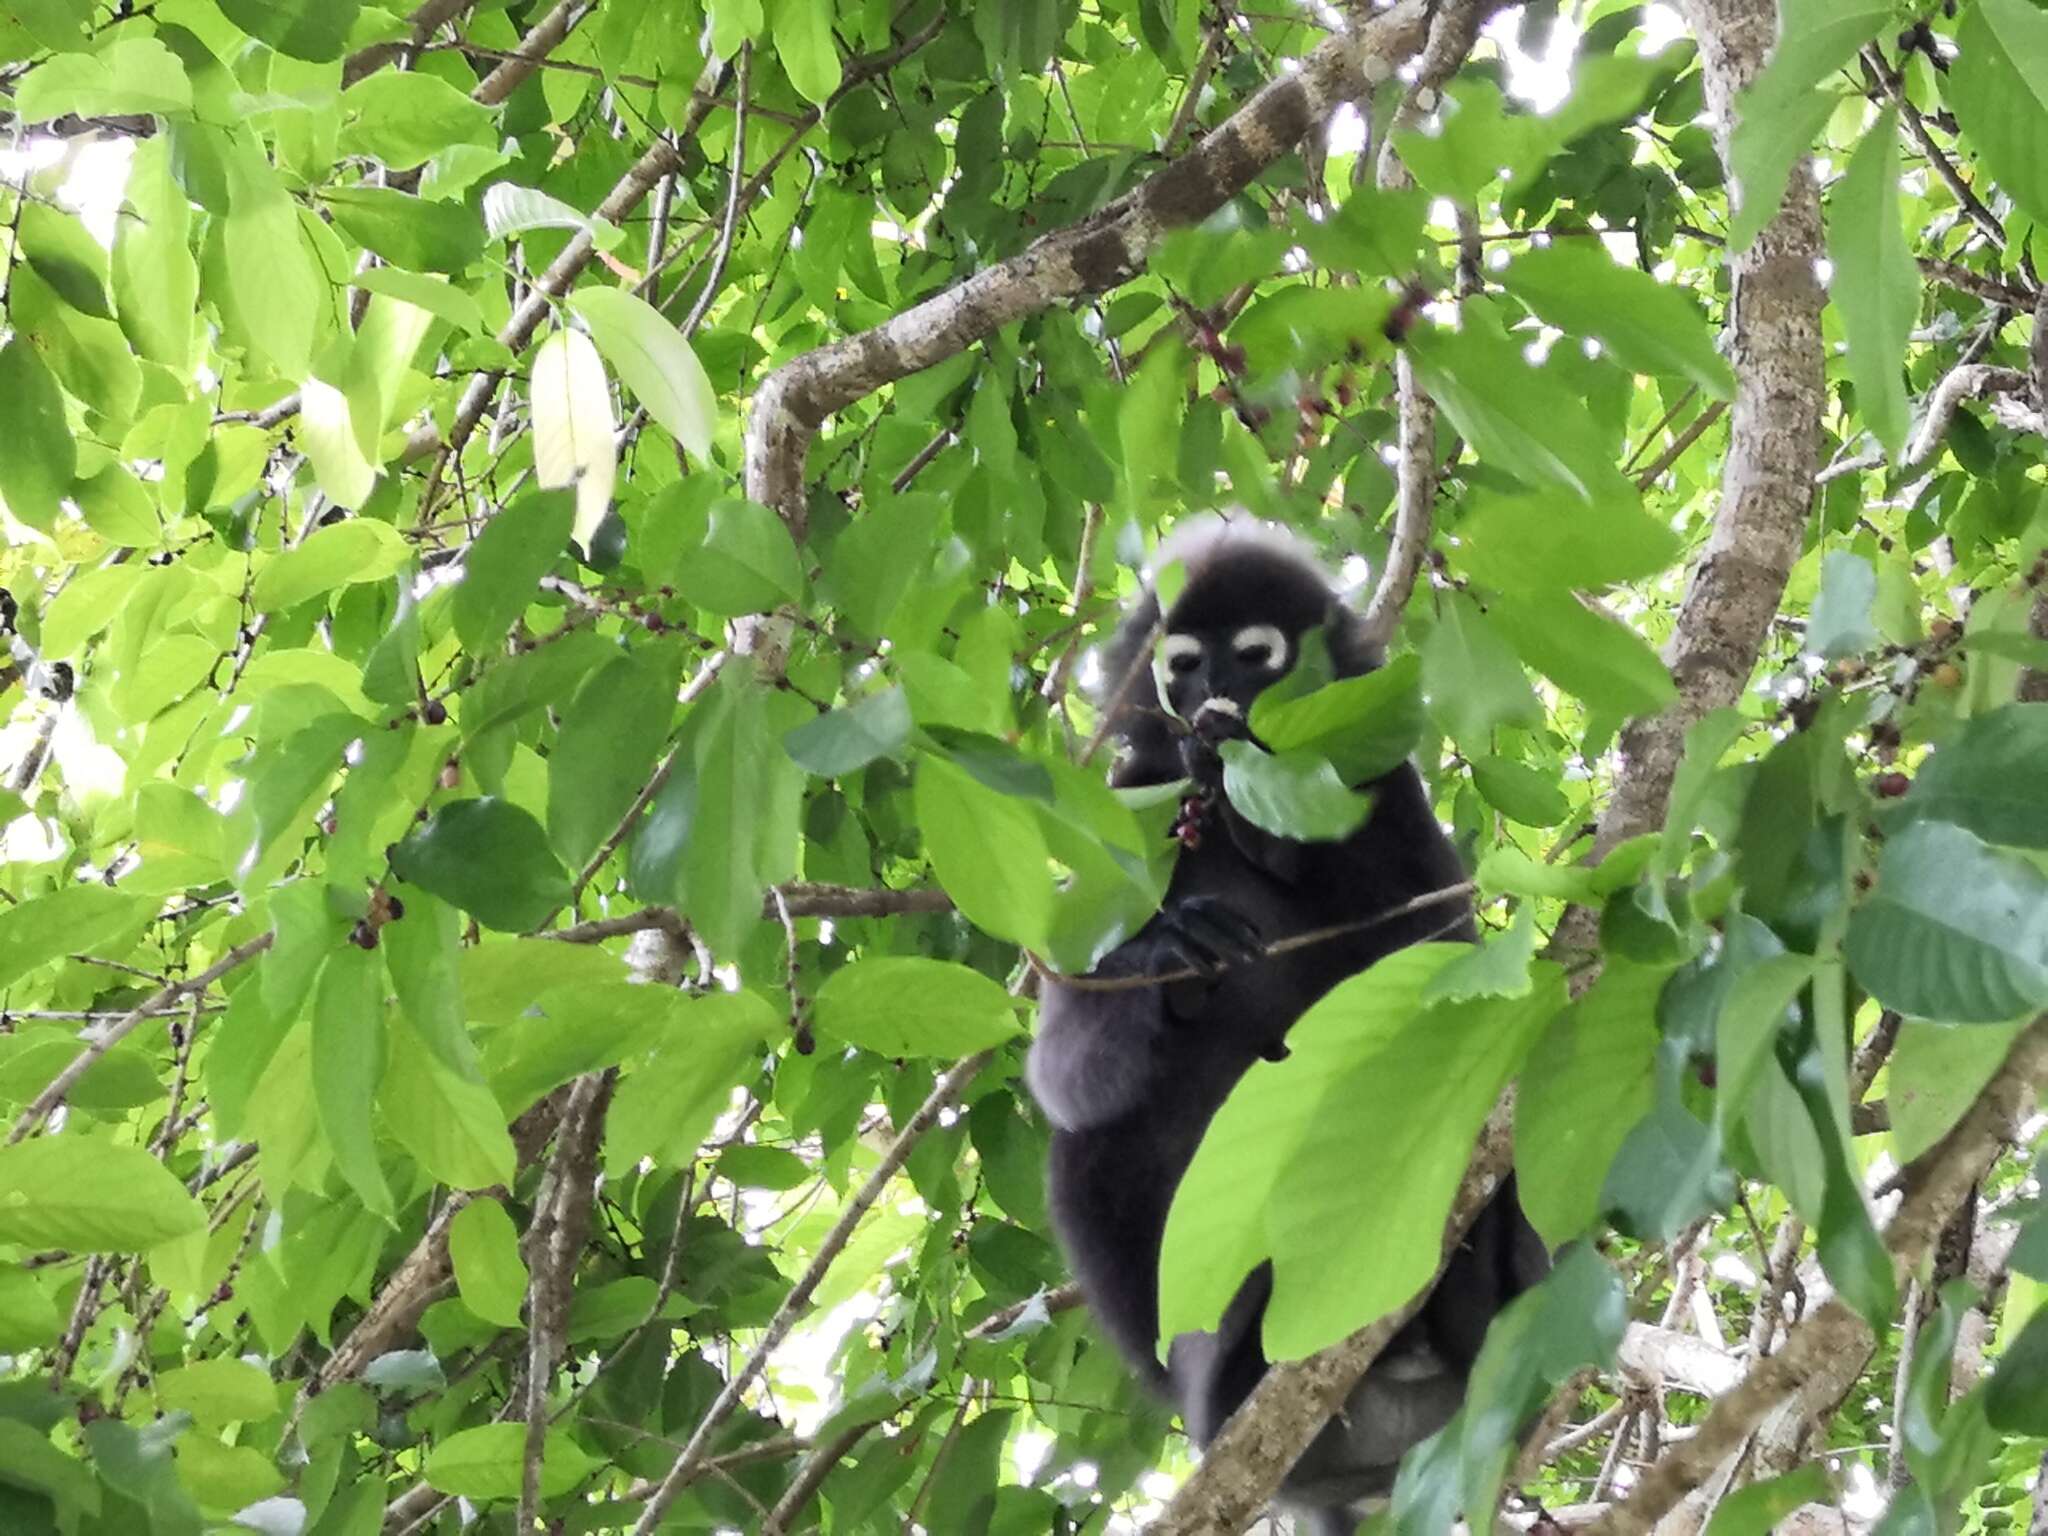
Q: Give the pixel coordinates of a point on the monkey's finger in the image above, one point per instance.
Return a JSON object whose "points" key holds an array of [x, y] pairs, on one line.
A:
{"points": [[1221, 929], [1186, 953]]}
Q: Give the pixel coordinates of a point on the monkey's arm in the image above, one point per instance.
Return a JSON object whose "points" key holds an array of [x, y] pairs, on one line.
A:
{"points": [[1103, 1052]]}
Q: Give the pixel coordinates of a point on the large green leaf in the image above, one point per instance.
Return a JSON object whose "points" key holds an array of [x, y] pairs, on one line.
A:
{"points": [[348, 1063], [1585, 653], [1998, 90], [489, 858], [988, 852], [667, 1103], [1364, 725], [42, 457], [910, 1006], [1471, 677], [1589, 1078], [611, 733], [651, 356], [1934, 1074], [1955, 930], [1296, 795], [1511, 543], [315, 30], [405, 230], [84, 1194], [1875, 285], [1650, 327], [130, 74], [1520, 419], [1275, 1174], [1777, 117], [1987, 778], [483, 1247], [76, 919], [341, 554], [502, 568], [487, 1463]]}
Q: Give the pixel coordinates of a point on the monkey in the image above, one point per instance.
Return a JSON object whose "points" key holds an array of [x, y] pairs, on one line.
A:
{"points": [[1130, 1078]]}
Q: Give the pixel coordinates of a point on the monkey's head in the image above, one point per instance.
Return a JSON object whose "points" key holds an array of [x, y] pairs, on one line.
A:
{"points": [[1251, 596]]}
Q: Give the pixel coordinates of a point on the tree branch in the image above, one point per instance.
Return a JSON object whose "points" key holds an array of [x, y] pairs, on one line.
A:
{"points": [[1773, 448], [1095, 254]]}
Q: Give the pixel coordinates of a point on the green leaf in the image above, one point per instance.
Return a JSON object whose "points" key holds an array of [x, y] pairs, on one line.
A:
{"points": [[1840, 624], [431, 294], [803, 41], [489, 858], [130, 74], [357, 549], [1273, 1178], [502, 568], [1998, 90], [1366, 726], [87, 1195], [667, 1104], [1512, 543], [611, 733], [1935, 1073], [218, 1392], [1650, 327], [1519, 419], [609, 1310], [2016, 1399], [910, 1006], [42, 456], [1777, 118], [1955, 931], [848, 739], [405, 230], [486, 1463], [1876, 285], [406, 117], [328, 429], [1520, 792], [483, 1245], [1589, 1078], [653, 360], [748, 562], [314, 30], [278, 288], [76, 919], [1148, 424], [156, 282], [987, 851], [867, 568], [1471, 677], [1291, 794], [1987, 778], [448, 1120], [1585, 653], [1757, 1509], [348, 1063]]}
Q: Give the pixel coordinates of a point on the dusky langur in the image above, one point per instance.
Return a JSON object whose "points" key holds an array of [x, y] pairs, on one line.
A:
{"points": [[1131, 1078]]}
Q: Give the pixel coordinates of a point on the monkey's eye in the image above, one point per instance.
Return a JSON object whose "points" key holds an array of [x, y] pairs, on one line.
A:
{"points": [[1183, 654], [1260, 645]]}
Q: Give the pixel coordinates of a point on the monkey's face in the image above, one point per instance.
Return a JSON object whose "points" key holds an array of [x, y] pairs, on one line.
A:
{"points": [[1209, 677]]}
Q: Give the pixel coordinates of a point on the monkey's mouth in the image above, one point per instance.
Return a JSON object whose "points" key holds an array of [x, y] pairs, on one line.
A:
{"points": [[1219, 720]]}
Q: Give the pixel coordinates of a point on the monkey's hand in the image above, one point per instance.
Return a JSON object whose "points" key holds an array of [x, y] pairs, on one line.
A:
{"points": [[1206, 935]]}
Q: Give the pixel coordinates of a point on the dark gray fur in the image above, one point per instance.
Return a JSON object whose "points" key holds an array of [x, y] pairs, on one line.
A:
{"points": [[1130, 1079]]}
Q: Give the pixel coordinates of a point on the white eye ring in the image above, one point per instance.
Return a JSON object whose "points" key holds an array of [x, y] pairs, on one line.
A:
{"points": [[1261, 645], [1180, 652]]}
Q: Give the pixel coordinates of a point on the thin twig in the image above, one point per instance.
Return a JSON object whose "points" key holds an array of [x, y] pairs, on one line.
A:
{"points": [[151, 1007], [723, 249]]}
